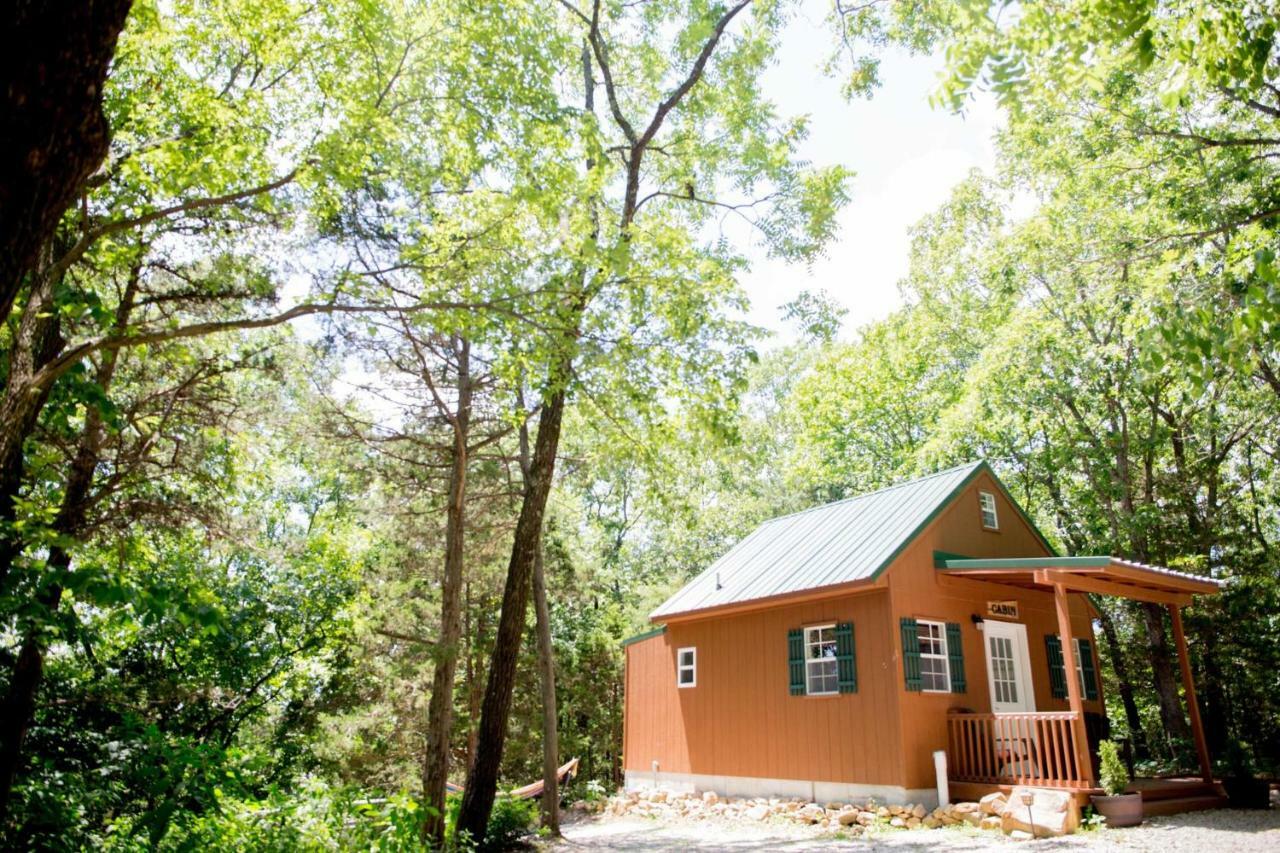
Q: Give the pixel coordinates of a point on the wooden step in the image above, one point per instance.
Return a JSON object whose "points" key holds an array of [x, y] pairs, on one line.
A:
{"points": [[1173, 789], [1152, 808]]}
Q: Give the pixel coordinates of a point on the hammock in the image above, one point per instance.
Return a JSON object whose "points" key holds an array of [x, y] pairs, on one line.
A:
{"points": [[532, 790]]}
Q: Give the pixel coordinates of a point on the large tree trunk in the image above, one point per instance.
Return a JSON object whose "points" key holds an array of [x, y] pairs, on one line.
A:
{"points": [[435, 767], [550, 728], [54, 57], [482, 780], [1125, 683], [1163, 673]]}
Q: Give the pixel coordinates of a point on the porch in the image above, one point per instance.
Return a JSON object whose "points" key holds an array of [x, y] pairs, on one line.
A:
{"points": [[987, 752]]}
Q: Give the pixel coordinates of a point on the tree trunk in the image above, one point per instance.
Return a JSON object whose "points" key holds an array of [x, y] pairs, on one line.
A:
{"points": [[1163, 673], [550, 728], [19, 702], [1218, 712], [474, 694], [20, 699], [435, 767], [482, 780], [38, 341], [54, 57], [1136, 734]]}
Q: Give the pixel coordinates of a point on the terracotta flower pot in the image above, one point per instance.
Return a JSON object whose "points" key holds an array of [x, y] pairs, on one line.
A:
{"points": [[1120, 810]]}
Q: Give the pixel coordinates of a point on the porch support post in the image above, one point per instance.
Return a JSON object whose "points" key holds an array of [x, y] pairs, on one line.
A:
{"points": [[1084, 767], [1193, 706]]}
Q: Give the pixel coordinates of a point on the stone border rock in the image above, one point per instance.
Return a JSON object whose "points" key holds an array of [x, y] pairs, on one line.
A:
{"points": [[1024, 813]]}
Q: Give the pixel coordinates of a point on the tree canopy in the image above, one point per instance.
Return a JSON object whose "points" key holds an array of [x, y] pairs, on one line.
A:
{"points": [[343, 332]]}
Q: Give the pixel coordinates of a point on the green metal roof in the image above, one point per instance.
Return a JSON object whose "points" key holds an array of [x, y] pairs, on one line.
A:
{"points": [[951, 562], [850, 540], [656, 632]]}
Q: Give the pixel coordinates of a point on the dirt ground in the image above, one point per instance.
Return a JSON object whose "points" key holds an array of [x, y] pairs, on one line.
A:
{"points": [[1198, 832]]}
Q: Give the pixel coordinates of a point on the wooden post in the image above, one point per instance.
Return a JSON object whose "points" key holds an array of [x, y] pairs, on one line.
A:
{"points": [[1084, 766], [1193, 706]]}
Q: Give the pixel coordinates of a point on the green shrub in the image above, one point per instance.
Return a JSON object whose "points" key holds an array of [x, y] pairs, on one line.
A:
{"points": [[1114, 777], [509, 821]]}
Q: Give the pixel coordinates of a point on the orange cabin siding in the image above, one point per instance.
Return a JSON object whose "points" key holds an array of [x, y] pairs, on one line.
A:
{"points": [[741, 720]]}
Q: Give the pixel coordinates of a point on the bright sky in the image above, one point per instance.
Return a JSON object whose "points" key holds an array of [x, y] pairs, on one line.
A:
{"points": [[907, 156]]}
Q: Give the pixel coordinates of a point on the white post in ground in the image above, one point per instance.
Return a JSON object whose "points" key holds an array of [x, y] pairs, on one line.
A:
{"points": [[940, 768]]}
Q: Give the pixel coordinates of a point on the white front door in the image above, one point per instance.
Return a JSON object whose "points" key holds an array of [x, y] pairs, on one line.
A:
{"points": [[1008, 667]]}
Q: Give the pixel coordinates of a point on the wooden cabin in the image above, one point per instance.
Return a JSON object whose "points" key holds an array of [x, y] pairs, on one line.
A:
{"points": [[831, 652]]}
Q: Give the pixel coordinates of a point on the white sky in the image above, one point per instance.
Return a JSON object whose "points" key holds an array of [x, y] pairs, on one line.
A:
{"points": [[907, 156]]}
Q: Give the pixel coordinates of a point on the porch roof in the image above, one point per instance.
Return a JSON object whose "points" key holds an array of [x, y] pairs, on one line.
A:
{"points": [[1104, 575]]}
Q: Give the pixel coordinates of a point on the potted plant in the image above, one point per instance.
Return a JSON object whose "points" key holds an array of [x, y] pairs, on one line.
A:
{"points": [[1119, 808], [1244, 790]]}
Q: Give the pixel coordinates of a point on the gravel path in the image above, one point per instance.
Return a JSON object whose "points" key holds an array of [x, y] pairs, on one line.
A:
{"points": [[1198, 832]]}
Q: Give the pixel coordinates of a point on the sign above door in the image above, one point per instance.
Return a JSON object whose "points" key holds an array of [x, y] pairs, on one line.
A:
{"points": [[1003, 609]]}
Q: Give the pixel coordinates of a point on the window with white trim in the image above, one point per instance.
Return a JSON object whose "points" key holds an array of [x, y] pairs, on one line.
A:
{"points": [[987, 502], [820, 673], [935, 667], [687, 667], [1079, 649]]}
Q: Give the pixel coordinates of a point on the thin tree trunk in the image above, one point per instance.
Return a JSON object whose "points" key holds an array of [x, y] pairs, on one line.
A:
{"points": [[1137, 736], [1162, 671], [550, 801], [482, 780], [20, 699], [477, 800], [38, 341], [469, 643], [435, 768], [550, 729]]}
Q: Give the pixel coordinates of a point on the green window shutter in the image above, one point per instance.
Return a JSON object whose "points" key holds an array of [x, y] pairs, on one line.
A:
{"points": [[1086, 668], [795, 658], [911, 653], [955, 653], [1057, 675], [846, 659]]}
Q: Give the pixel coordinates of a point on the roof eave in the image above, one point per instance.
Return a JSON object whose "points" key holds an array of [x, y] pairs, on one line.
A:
{"points": [[754, 604]]}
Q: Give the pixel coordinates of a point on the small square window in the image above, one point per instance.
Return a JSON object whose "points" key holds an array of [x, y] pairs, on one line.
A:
{"points": [[987, 502], [820, 667], [687, 667]]}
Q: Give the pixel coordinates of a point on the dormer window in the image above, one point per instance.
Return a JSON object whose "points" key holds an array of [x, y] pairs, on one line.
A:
{"points": [[987, 503]]}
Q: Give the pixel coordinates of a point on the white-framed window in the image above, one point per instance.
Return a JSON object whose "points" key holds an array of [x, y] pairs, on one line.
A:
{"points": [[987, 503], [820, 675], [935, 667], [1080, 653], [687, 667], [1079, 650]]}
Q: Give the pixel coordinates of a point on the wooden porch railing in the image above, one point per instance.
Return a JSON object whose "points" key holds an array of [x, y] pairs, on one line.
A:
{"points": [[1014, 749]]}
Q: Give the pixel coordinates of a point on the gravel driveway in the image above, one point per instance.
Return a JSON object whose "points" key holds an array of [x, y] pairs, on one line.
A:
{"points": [[1198, 832]]}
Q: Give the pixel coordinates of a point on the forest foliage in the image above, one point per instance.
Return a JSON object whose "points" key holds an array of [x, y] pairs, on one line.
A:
{"points": [[374, 317]]}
